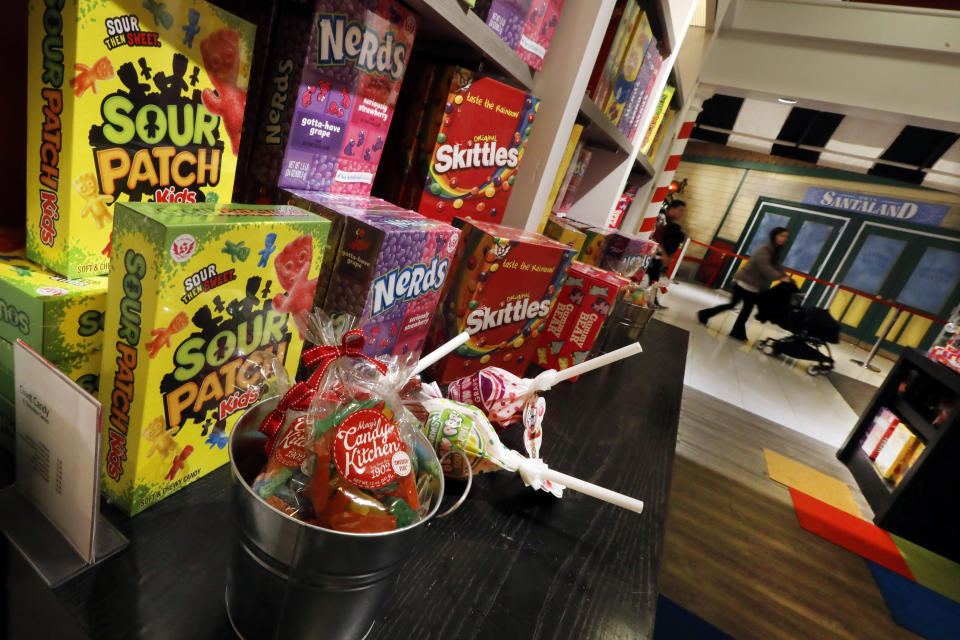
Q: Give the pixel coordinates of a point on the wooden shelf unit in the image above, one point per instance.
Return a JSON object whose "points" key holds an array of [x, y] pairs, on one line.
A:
{"points": [[922, 507], [600, 130], [449, 27], [451, 21]]}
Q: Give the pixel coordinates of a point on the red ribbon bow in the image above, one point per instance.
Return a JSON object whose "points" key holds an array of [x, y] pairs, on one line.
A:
{"points": [[300, 395]]}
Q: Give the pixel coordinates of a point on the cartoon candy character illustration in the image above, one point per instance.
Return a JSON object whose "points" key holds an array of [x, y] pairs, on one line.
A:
{"points": [[221, 60], [87, 77], [86, 186], [161, 337], [161, 438], [293, 266]]}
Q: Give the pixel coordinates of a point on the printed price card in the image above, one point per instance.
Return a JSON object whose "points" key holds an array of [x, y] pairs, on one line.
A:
{"points": [[57, 447]]}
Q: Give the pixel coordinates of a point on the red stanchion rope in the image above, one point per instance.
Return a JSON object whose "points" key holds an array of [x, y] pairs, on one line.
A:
{"points": [[889, 303]]}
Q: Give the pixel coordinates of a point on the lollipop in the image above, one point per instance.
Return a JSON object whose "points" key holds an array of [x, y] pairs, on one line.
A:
{"points": [[452, 426], [503, 396]]}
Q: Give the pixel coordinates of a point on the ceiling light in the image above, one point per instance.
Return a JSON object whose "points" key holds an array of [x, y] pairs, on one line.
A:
{"points": [[787, 100]]}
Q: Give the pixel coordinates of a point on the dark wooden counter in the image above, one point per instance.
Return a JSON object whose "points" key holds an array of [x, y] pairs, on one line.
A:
{"points": [[511, 563]]}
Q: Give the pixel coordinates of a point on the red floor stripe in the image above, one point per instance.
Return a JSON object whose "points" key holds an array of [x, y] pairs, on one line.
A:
{"points": [[850, 532]]}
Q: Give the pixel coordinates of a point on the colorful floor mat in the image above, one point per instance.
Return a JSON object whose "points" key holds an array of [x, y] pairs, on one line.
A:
{"points": [[850, 532], [673, 622], [931, 570], [799, 476], [917, 608]]}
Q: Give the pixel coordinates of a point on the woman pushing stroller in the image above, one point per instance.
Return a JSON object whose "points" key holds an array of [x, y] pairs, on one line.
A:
{"points": [[761, 269]]}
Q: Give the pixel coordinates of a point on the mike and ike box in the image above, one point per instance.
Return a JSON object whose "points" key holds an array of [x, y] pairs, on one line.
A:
{"points": [[128, 101], [500, 291], [200, 297], [60, 318]]}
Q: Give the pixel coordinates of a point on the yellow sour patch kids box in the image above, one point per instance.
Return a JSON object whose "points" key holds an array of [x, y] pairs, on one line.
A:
{"points": [[199, 295], [129, 100]]}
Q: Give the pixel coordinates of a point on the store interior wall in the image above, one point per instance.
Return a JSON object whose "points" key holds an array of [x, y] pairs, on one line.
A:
{"points": [[721, 198]]}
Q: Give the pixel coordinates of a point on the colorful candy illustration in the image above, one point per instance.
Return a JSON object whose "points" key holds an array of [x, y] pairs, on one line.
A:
{"points": [[161, 337], [238, 252], [221, 59], [192, 28], [269, 246], [87, 77], [86, 186], [293, 266]]}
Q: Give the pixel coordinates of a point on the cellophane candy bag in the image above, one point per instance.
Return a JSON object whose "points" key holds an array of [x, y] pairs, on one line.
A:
{"points": [[345, 455]]}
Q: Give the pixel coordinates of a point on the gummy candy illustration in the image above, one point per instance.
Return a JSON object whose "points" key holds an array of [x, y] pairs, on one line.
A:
{"points": [[293, 266], [192, 28], [366, 155], [378, 144], [210, 196], [334, 109], [348, 150], [344, 99], [161, 337], [160, 14], [306, 97], [237, 251], [161, 438], [216, 439], [361, 137], [221, 59], [87, 77], [179, 463], [86, 186], [269, 246]]}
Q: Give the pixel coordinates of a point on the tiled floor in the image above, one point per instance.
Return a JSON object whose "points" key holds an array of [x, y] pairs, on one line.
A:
{"points": [[771, 387]]}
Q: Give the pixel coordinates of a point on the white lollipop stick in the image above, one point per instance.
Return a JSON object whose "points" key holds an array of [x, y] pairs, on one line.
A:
{"points": [[439, 352], [551, 377], [530, 469]]}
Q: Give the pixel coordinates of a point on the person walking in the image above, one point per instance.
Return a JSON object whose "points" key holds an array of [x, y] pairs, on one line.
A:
{"points": [[669, 235], [761, 269]]}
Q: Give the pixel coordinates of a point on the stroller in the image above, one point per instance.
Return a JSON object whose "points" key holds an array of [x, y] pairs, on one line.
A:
{"points": [[812, 330]]}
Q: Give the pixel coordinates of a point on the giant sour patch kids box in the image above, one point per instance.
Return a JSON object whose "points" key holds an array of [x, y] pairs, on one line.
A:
{"points": [[129, 100], [478, 149], [199, 294], [500, 292], [335, 73]]}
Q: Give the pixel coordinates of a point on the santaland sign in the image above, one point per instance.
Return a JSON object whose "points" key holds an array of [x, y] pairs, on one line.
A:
{"points": [[919, 212]]}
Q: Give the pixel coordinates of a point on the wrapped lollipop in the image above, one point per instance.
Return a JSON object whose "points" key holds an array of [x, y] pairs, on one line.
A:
{"points": [[453, 426], [504, 397], [342, 452]]}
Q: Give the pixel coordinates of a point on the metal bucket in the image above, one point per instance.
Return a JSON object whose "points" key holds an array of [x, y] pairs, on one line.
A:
{"points": [[288, 579], [624, 326]]}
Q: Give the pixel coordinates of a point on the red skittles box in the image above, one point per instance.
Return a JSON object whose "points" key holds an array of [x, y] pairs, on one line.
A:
{"points": [[336, 74], [501, 291], [628, 255], [584, 303], [478, 149]]}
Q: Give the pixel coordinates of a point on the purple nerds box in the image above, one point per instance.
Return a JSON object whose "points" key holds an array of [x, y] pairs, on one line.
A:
{"points": [[388, 269], [628, 255], [335, 71], [507, 19]]}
